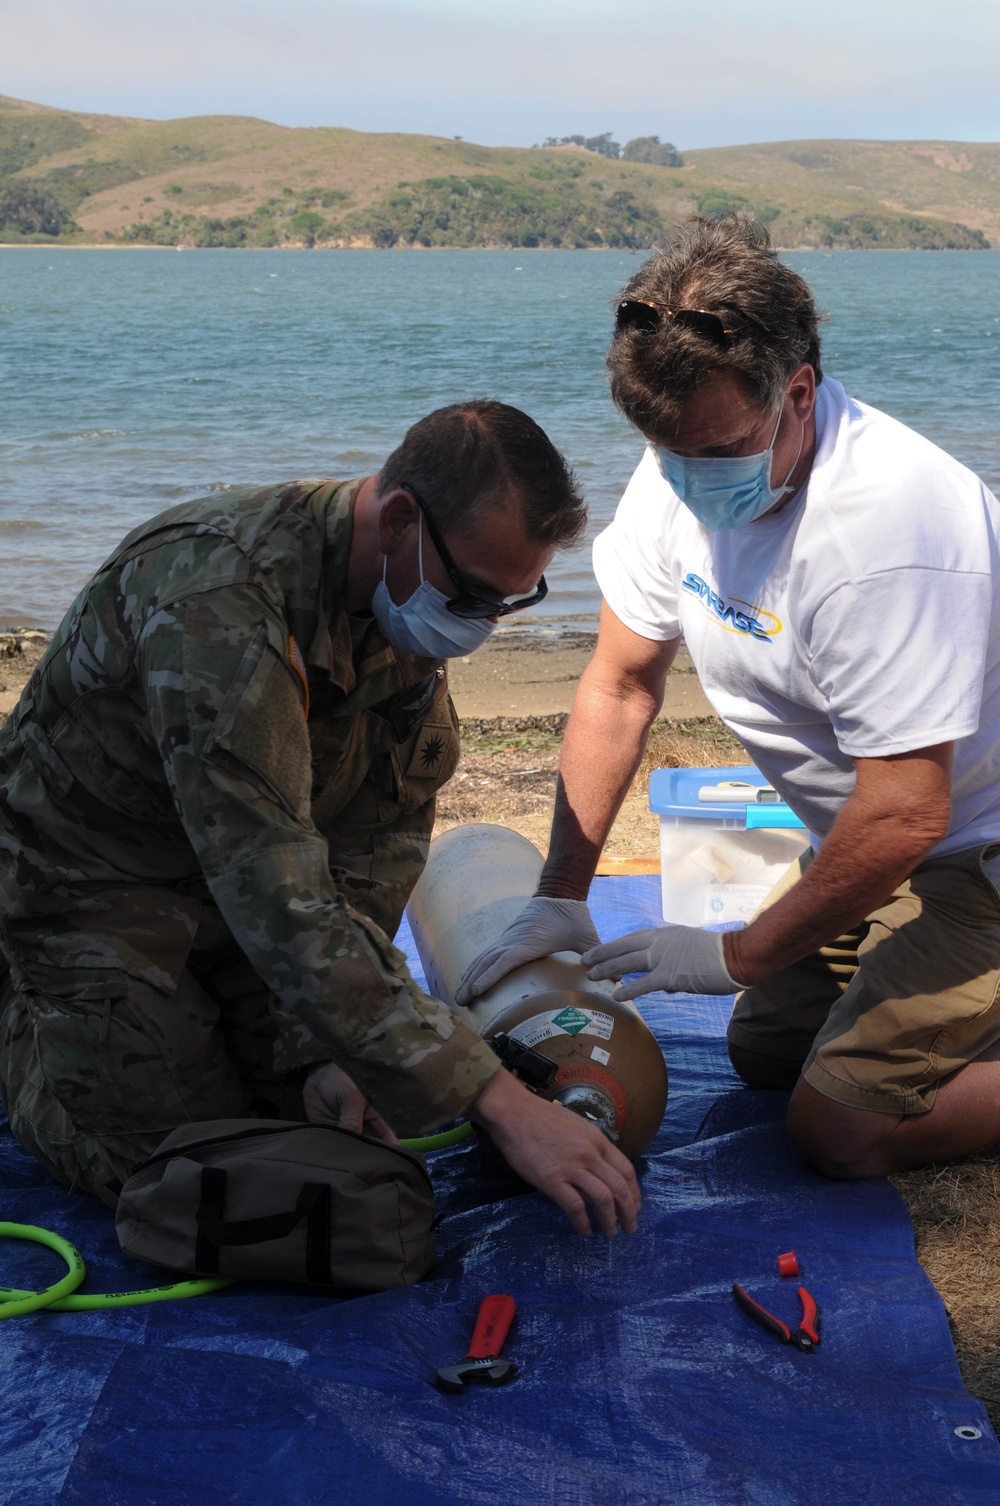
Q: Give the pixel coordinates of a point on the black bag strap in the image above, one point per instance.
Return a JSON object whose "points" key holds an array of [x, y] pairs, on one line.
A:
{"points": [[314, 1203]]}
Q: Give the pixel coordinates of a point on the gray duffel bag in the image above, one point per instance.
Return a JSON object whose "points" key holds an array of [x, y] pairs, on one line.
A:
{"points": [[274, 1200]]}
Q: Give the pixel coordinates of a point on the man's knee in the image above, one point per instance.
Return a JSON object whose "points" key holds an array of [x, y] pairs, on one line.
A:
{"points": [[759, 1070], [92, 1087], [840, 1142]]}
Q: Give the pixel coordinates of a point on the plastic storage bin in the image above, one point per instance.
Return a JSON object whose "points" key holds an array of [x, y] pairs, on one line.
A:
{"points": [[720, 856]]}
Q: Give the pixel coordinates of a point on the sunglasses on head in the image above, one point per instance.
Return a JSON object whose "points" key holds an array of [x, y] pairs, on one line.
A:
{"points": [[469, 603], [637, 313]]}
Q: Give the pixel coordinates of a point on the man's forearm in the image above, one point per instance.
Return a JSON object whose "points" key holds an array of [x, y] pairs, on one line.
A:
{"points": [[602, 750], [873, 846]]}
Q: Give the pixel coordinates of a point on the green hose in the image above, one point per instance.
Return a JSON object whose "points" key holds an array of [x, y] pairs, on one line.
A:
{"points": [[94, 1301], [29, 1302], [454, 1136], [58, 1297], [61, 1297]]}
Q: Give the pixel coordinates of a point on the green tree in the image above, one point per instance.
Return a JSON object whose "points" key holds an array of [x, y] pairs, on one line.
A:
{"points": [[604, 146], [715, 203], [652, 150], [307, 225], [27, 209]]}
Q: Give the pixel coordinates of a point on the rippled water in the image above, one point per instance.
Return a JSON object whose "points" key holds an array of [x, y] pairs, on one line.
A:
{"points": [[134, 379]]}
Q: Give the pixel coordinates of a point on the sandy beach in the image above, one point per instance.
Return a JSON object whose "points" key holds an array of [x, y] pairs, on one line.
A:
{"points": [[520, 674]]}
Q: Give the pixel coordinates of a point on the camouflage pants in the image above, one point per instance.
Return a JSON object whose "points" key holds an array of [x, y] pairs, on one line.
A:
{"points": [[97, 1070]]}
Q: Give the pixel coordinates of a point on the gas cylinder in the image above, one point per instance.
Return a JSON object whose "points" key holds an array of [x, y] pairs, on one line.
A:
{"points": [[564, 1034]]}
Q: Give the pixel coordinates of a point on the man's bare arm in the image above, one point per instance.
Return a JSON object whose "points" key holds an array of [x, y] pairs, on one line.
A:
{"points": [[619, 696], [900, 809], [561, 1154]]}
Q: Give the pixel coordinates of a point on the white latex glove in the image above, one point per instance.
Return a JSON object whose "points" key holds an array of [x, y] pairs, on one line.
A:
{"points": [[329, 1096], [544, 926], [676, 959]]}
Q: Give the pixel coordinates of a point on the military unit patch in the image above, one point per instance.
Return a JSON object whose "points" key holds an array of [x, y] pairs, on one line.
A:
{"points": [[432, 747]]}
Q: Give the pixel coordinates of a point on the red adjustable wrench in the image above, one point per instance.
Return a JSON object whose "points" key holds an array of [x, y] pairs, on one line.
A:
{"points": [[482, 1363]]}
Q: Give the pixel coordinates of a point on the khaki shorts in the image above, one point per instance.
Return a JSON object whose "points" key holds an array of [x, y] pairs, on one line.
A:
{"points": [[879, 1016]]}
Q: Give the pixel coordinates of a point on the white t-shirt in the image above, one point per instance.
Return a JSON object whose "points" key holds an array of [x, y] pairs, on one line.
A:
{"points": [[859, 620]]}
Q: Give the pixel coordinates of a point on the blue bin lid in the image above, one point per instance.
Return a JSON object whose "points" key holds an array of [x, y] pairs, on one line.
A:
{"points": [[674, 792]]}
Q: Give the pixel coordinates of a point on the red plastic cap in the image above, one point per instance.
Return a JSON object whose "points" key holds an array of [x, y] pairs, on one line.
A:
{"points": [[788, 1264]]}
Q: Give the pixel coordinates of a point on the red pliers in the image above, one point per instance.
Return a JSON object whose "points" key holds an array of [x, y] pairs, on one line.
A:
{"points": [[805, 1337]]}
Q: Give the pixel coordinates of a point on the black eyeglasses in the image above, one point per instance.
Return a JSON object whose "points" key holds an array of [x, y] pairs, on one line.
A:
{"points": [[638, 313], [469, 603]]}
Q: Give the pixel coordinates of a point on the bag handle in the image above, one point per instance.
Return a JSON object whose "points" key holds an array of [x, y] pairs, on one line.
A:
{"points": [[314, 1203]]}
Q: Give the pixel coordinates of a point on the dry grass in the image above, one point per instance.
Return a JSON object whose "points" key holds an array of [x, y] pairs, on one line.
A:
{"points": [[956, 1221], [508, 776], [700, 742]]}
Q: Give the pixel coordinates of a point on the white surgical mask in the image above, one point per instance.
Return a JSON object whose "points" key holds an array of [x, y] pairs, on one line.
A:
{"points": [[422, 623], [724, 491]]}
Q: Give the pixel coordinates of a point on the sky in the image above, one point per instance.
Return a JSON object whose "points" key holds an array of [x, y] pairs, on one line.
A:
{"points": [[513, 72]]}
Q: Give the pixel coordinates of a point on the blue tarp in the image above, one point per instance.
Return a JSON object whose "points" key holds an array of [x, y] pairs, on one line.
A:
{"points": [[640, 1380]]}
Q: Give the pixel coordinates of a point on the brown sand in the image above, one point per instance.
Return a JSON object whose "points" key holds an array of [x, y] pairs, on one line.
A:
{"points": [[517, 675], [513, 697]]}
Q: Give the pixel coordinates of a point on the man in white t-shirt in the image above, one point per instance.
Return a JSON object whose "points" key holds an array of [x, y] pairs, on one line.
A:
{"points": [[835, 577]]}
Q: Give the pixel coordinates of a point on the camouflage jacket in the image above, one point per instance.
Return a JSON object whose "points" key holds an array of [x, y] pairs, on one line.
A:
{"points": [[203, 732]]}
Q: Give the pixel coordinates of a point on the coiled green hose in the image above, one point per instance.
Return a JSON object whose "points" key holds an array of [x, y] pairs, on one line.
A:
{"points": [[62, 1295]]}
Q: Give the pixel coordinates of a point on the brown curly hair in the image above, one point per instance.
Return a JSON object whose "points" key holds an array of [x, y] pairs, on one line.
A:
{"points": [[730, 267]]}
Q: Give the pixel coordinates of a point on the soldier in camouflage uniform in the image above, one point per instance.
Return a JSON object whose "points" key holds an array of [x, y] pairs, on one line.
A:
{"points": [[216, 795]]}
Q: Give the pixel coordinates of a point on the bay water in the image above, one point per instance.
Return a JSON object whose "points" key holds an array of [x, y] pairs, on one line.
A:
{"points": [[133, 379]]}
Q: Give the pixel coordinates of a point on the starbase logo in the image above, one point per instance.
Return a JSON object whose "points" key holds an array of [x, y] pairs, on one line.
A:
{"points": [[753, 622]]}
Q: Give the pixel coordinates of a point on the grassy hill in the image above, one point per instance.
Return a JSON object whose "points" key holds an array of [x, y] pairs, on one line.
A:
{"points": [[81, 179]]}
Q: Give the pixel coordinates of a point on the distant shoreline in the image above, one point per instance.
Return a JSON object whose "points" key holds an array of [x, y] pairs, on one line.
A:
{"points": [[232, 183], [476, 250]]}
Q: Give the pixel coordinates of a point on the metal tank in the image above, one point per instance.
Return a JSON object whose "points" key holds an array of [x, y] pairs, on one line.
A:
{"points": [[562, 1033]]}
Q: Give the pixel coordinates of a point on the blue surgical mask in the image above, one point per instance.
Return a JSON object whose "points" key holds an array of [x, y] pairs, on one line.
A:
{"points": [[724, 491], [422, 624]]}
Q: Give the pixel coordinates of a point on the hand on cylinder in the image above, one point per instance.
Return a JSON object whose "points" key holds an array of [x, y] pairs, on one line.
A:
{"points": [[560, 1153], [676, 959], [329, 1096], [544, 926]]}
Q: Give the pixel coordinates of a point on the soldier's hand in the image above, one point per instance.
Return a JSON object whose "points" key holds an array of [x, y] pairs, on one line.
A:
{"points": [[544, 926], [329, 1096], [562, 1155]]}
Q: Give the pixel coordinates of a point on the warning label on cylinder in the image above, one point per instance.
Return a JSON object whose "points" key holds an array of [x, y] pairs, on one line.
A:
{"points": [[568, 1021]]}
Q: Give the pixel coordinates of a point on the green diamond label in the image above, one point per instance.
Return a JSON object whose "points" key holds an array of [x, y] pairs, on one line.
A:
{"points": [[571, 1019], [568, 1021]]}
